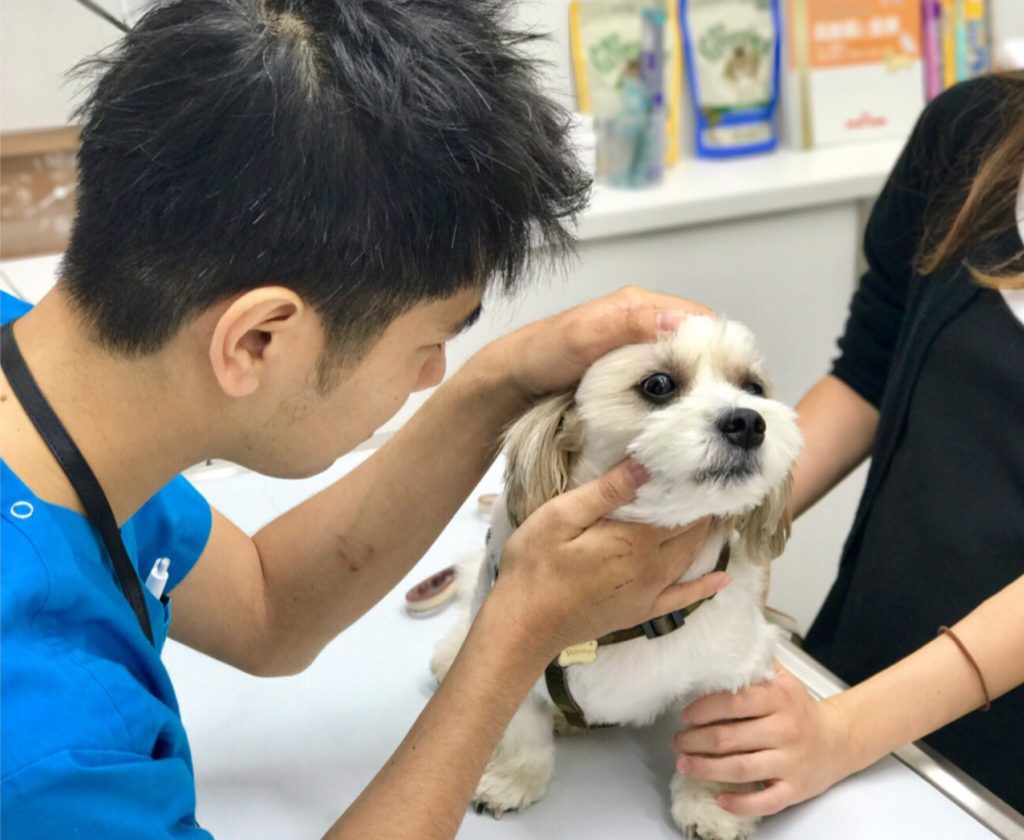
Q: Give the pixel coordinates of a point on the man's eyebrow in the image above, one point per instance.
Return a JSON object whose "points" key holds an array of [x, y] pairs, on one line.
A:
{"points": [[469, 320]]}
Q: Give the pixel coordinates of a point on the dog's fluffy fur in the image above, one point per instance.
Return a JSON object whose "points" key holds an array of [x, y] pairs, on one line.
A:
{"points": [[695, 471]]}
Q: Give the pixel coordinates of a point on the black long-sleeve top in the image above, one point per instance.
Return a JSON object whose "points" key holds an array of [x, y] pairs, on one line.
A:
{"points": [[940, 525]]}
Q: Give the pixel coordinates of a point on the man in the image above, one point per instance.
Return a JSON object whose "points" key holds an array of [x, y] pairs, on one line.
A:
{"points": [[285, 210]]}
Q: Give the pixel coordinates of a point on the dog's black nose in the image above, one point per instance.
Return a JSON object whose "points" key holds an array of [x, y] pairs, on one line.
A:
{"points": [[742, 427]]}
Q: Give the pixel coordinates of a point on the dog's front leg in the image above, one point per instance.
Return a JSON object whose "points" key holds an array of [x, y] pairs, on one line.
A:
{"points": [[697, 814], [522, 764]]}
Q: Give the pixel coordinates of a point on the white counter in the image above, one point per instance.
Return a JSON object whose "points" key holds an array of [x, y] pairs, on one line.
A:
{"points": [[702, 192], [282, 758]]}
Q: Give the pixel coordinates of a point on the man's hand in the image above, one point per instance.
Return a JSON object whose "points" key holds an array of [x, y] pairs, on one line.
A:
{"points": [[552, 354], [568, 576], [772, 732]]}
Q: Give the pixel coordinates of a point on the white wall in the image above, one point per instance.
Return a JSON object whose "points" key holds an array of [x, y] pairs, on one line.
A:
{"points": [[40, 40], [1008, 19]]}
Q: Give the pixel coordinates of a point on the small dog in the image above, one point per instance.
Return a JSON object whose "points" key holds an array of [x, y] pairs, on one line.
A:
{"points": [[693, 409]]}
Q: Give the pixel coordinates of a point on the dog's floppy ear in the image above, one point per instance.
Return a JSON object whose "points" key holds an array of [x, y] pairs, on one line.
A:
{"points": [[766, 528], [539, 449]]}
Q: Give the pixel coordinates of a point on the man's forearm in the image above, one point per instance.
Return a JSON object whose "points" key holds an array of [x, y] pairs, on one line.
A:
{"points": [[936, 684], [422, 792], [327, 561]]}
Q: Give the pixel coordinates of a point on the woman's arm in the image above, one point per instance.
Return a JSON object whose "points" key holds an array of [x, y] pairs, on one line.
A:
{"points": [[839, 429], [800, 747]]}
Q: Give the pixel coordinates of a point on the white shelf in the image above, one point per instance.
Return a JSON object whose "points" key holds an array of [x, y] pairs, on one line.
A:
{"points": [[698, 192], [694, 192]]}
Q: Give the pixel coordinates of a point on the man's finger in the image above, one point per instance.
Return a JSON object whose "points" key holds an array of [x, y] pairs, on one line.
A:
{"points": [[585, 505], [657, 535], [683, 535], [683, 549], [638, 297], [633, 325], [680, 595], [629, 324]]}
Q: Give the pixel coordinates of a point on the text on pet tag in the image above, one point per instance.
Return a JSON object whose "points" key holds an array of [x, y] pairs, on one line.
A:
{"points": [[582, 654]]}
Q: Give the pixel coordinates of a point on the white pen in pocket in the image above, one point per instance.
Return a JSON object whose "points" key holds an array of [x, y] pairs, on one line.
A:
{"points": [[157, 579]]}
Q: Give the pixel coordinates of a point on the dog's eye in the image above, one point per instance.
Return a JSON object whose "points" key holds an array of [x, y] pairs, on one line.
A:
{"points": [[658, 387], [753, 387]]}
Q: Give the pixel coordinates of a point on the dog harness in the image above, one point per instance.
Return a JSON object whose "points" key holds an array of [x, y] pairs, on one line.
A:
{"points": [[555, 673]]}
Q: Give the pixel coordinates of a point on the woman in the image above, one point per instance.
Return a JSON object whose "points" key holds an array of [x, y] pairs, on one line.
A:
{"points": [[930, 383]]}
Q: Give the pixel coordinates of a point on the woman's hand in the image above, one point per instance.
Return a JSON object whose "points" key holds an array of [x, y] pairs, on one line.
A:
{"points": [[552, 354], [773, 732], [569, 576]]}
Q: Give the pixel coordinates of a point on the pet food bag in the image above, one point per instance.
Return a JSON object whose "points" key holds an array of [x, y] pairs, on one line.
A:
{"points": [[627, 72], [731, 49]]}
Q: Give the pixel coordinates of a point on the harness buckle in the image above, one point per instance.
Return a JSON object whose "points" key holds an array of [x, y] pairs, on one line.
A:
{"points": [[663, 624]]}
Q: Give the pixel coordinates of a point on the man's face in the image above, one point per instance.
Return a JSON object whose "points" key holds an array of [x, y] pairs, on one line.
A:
{"points": [[314, 428]]}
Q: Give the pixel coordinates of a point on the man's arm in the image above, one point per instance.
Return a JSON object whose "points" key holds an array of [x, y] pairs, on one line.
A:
{"points": [[269, 604], [411, 796], [776, 731]]}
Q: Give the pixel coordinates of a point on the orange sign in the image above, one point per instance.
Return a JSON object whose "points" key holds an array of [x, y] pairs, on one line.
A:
{"points": [[841, 33]]}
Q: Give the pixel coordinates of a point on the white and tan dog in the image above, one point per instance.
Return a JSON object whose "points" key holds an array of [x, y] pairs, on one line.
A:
{"points": [[692, 408]]}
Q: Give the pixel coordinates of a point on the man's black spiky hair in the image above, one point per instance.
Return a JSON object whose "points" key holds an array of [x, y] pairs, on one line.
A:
{"points": [[368, 154]]}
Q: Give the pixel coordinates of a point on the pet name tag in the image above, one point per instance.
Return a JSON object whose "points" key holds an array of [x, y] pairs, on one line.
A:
{"points": [[582, 654]]}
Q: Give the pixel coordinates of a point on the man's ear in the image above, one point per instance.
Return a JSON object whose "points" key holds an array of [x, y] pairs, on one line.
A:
{"points": [[539, 451], [245, 333]]}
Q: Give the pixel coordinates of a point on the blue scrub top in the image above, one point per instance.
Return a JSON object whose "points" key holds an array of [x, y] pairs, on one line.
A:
{"points": [[91, 740]]}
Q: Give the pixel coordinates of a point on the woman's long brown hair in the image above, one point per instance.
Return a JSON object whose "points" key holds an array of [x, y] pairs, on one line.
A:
{"points": [[984, 209]]}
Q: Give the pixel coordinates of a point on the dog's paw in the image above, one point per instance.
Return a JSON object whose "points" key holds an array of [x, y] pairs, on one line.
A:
{"points": [[716, 829], [489, 808], [506, 787], [698, 815]]}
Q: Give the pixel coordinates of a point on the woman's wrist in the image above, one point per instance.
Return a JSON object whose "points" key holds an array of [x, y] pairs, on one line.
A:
{"points": [[852, 747], [885, 712]]}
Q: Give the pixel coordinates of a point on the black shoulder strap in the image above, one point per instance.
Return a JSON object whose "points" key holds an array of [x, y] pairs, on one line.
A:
{"points": [[558, 687], [79, 473]]}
